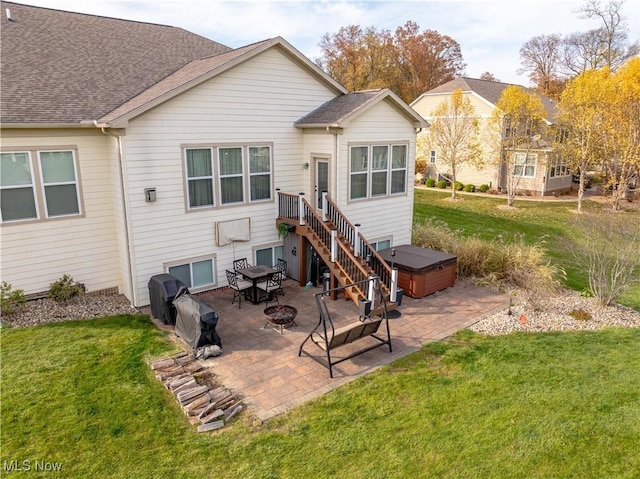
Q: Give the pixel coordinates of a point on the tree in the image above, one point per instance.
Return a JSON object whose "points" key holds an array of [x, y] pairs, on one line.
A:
{"points": [[409, 62], [517, 124], [488, 77], [581, 120], [622, 129], [425, 60], [541, 56], [453, 133], [614, 50]]}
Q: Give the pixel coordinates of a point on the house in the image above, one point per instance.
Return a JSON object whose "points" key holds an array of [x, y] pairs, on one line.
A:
{"points": [[541, 171], [132, 149]]}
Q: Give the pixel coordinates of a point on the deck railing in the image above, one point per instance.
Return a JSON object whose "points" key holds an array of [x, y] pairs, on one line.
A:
{"points": [[354, 254]]}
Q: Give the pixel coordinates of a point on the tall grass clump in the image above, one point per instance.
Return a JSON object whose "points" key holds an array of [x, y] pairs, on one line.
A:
{"points": [[495, 262]]}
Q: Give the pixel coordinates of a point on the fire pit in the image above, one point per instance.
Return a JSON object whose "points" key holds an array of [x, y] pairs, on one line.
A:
{"points": [[281, 315]]}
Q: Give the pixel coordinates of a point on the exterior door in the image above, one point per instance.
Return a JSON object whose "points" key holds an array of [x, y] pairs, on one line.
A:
{"points": [[322, 179], [292, 255]]}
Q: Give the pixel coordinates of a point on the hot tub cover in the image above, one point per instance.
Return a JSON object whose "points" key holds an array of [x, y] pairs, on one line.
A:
{"points": [[414, 259]]}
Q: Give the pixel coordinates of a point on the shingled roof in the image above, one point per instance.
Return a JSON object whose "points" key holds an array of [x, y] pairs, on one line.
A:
{"points": [[338, 112], [489, 90], [61, 67]]}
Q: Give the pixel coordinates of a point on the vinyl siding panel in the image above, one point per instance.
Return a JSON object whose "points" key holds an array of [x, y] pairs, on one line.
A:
{"points": [[389, 216], [36, 253], [256, 102]]}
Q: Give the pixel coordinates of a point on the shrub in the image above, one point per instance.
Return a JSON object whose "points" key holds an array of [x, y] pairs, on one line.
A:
{"points": [[484, 188], [470, 188], [64, 289], [458, 186], [430, 182], [608, 249], [10, 298], [442, 184]]}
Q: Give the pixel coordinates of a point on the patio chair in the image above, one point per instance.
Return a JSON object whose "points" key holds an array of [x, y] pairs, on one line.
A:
{"points": [[271, 288], [281, 266], [239, 286], [239, 264]]}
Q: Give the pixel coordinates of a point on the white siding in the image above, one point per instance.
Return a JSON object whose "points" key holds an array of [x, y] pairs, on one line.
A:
{"points": [[257, 101], [36, 253], [390, 216]]}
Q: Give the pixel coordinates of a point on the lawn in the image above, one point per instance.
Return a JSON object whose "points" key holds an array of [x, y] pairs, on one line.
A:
{"points": [[538, 222], [82, 395]]}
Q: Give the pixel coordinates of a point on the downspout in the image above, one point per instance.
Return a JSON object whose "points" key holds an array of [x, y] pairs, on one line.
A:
{"points": [[134, 300], [334, 176]]}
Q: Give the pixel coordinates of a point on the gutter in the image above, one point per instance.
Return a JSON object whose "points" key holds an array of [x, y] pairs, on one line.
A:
{"points": [[103, 128]]}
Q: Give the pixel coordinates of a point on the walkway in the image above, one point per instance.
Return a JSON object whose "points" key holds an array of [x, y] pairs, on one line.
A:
{"points": [[263, 368]]}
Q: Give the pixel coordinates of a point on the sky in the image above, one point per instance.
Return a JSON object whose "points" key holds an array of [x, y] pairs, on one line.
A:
{"points": [[490, 32]]}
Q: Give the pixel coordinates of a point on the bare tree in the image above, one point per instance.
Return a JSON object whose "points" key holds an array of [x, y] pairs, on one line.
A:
{"points": [[541, 58], [454, 134]]}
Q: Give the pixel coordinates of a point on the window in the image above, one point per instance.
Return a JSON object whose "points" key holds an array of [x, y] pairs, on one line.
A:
{"points": [[260, 173], [231, 190], [525, 164], [269, 256], [432, 157], [199, 177], [385, 174], [197, 274], [382, 244], [558, 168], [17, 191], [236, 173], [57, 183]]}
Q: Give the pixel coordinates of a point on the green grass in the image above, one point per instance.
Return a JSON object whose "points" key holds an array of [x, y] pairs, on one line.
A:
{"points": [[521, 406], [538, 222]]}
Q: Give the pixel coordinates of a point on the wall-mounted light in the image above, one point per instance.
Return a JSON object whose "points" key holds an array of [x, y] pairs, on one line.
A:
{"points": [[305, 166], [149, 194]]}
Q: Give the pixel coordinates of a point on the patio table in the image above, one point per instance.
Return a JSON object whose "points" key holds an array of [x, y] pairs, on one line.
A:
{"points": [[255, 274]]}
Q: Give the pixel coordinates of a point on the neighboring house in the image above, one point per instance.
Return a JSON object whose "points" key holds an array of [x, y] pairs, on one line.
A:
{"points": [[131, 149], [542, 172]]}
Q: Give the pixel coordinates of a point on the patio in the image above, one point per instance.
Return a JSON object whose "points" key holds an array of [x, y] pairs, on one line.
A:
{"points": [[262, 367]]}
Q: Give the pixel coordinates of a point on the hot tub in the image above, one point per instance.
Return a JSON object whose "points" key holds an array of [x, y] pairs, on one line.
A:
{"points": [[422, 271]]}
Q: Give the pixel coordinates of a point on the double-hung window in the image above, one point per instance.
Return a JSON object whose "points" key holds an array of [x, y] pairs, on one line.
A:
{"points": [[525, 164], [17, 190], [57, 182], [227, 175], [199, 177], [377, 170], [270, 255], [432, 157]]}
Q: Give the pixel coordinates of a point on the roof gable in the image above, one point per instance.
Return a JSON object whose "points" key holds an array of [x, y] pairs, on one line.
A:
{"points": [[204, 69], [340, 111], [489, 91]]}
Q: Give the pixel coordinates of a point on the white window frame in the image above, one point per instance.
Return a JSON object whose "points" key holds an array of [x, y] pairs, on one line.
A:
{"points": [[559, 168], [271, 247], [216, 179], [432, 157], [370, 170], [374, 244], [190, 262], [522, 161], [193, 178], [31, 185], [43, 185]]}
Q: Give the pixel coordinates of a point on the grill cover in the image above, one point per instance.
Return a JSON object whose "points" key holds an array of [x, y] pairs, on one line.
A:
{"points": [[195, 321], [414, 259], [162, 289]]}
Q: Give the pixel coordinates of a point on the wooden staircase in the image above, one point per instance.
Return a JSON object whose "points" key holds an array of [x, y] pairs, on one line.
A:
{"points": [[347, 254]]}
